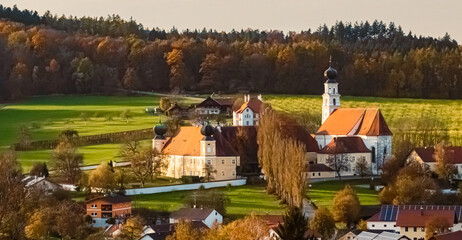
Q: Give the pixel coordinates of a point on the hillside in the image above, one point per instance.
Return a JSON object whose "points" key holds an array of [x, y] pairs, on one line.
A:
{"points": [[46, 55]]}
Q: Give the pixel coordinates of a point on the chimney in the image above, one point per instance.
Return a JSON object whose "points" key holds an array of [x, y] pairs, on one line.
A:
{"points": [[248, 97], [245, 98], [259, 97], [421, 211]]}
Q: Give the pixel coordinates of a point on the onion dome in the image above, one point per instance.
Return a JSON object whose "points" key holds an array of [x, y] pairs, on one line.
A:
{"points": [[160, 130], [207, 131], [330, 74]]}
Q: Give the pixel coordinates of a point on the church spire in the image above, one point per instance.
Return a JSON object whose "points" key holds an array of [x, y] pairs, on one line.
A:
{"points": [[331, 97]]}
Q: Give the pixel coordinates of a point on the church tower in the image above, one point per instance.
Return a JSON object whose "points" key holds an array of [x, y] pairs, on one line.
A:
{"points": [[331, 96]]}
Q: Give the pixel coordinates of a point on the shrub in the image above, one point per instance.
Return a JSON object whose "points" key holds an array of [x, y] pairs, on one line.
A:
{"points": [[190, 179]]}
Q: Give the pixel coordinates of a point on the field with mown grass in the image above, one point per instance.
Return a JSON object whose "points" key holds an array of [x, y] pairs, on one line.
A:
{"points": [[47, 116], [323, 193], [394, 110], [243, 200]]}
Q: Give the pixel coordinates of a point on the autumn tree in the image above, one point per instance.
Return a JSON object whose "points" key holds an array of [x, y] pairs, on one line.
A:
{"points": [[185, 231], [444, 166], [132, 229], [362, 168], [102, 178], [339, 163], [126, 114], [294, 225], [212, 198], [175, 59], [25, 137], [437, 225], [346, 206], [164, 104], [248, 228], [130, 79], [66, 160], [38, 226], [40, 170], [209, 172], [323, 223]]}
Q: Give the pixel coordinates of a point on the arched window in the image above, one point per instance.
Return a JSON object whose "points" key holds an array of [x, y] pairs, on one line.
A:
{"points": [[373, 154], [333, 91], [334, 102]]}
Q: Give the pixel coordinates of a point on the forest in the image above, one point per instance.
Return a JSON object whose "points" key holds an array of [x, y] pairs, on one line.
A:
{"points": [[47, 54]]}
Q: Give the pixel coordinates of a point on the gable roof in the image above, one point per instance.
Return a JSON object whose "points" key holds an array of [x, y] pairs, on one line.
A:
{"points": [[30, 181], [453, 154], [317, 167], [231, 133], [193, 214], [389, 213], [161, 231], [254, 104], [355, 121], [219, 102], [419, 218], [111, 199], [449, 236], [186, 142], [300, 134], [345, 145]]}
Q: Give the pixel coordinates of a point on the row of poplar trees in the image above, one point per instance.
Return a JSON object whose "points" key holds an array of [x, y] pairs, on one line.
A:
{"points": [[282, 160]]}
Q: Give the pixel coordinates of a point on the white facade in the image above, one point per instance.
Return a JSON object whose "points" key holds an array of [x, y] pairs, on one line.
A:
{"points": [[246, 118], [213, 218], [330, 99], [379, 145]]}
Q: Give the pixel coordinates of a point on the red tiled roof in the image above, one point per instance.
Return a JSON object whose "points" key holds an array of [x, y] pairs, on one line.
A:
{"points": [[272, 220], [254, 104], [453, 154], [449, 236], [355, 121], [419, 218], [188, 139], [193, 214], [375, 218], [111, 199], [345, 145], [315, 167]]}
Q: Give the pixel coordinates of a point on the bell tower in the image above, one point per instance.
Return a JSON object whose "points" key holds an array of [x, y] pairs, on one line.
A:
{"points": [[331, 96]]}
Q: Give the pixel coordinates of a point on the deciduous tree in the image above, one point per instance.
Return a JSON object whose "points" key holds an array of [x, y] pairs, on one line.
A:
{"points": [[102, 179], [323, 223], [66, 160], [345, 206]]}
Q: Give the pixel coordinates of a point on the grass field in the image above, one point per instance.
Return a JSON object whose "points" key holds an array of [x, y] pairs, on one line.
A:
{"points": [[243, 201], [393, 109], [48, 116], [323, 193]]}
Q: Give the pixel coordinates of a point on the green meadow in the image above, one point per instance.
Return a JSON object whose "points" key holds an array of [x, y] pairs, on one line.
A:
{"points": [[243, 200], [394, 110], [323, 193]]}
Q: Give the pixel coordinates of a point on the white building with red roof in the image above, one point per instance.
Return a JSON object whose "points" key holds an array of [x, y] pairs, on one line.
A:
{"points": [[365, 123], [426, 155], [249, 113]]}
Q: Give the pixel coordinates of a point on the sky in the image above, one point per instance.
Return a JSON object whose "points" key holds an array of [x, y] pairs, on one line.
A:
{"points": [[423, 17]]}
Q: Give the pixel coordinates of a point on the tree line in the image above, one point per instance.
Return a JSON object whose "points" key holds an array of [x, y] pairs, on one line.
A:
{"points": [[49, 54]]}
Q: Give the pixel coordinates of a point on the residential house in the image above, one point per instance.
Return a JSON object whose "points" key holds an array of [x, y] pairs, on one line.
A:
{"points": [[351, 235], [208, 216], [192, 148], [161, 231], [316, 171], [40, 184], [366, 123], [410, 220], [102, 208], [426, 155], [211, 106], [348, 150], [249, 113]]}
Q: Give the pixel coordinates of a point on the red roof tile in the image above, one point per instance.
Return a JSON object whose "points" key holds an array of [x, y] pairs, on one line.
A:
{"points": [[419, 218], [188, 139], [254, 104], [454, 154], [355, 121], [345, 145]]}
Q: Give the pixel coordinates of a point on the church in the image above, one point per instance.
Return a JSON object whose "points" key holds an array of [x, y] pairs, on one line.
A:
{"points": [[351, 133]]}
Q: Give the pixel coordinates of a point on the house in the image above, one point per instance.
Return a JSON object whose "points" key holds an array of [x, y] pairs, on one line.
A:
{"points": [[384, 235], [351, 235], [410, 220], [316, 170], [177, 110], [117, 207], [349, 150], [366, 123], [192, 148], [40, 184], [214, 106], [448, 236], [426, 156], [249, 113], [161, 231], [207, 216]]}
